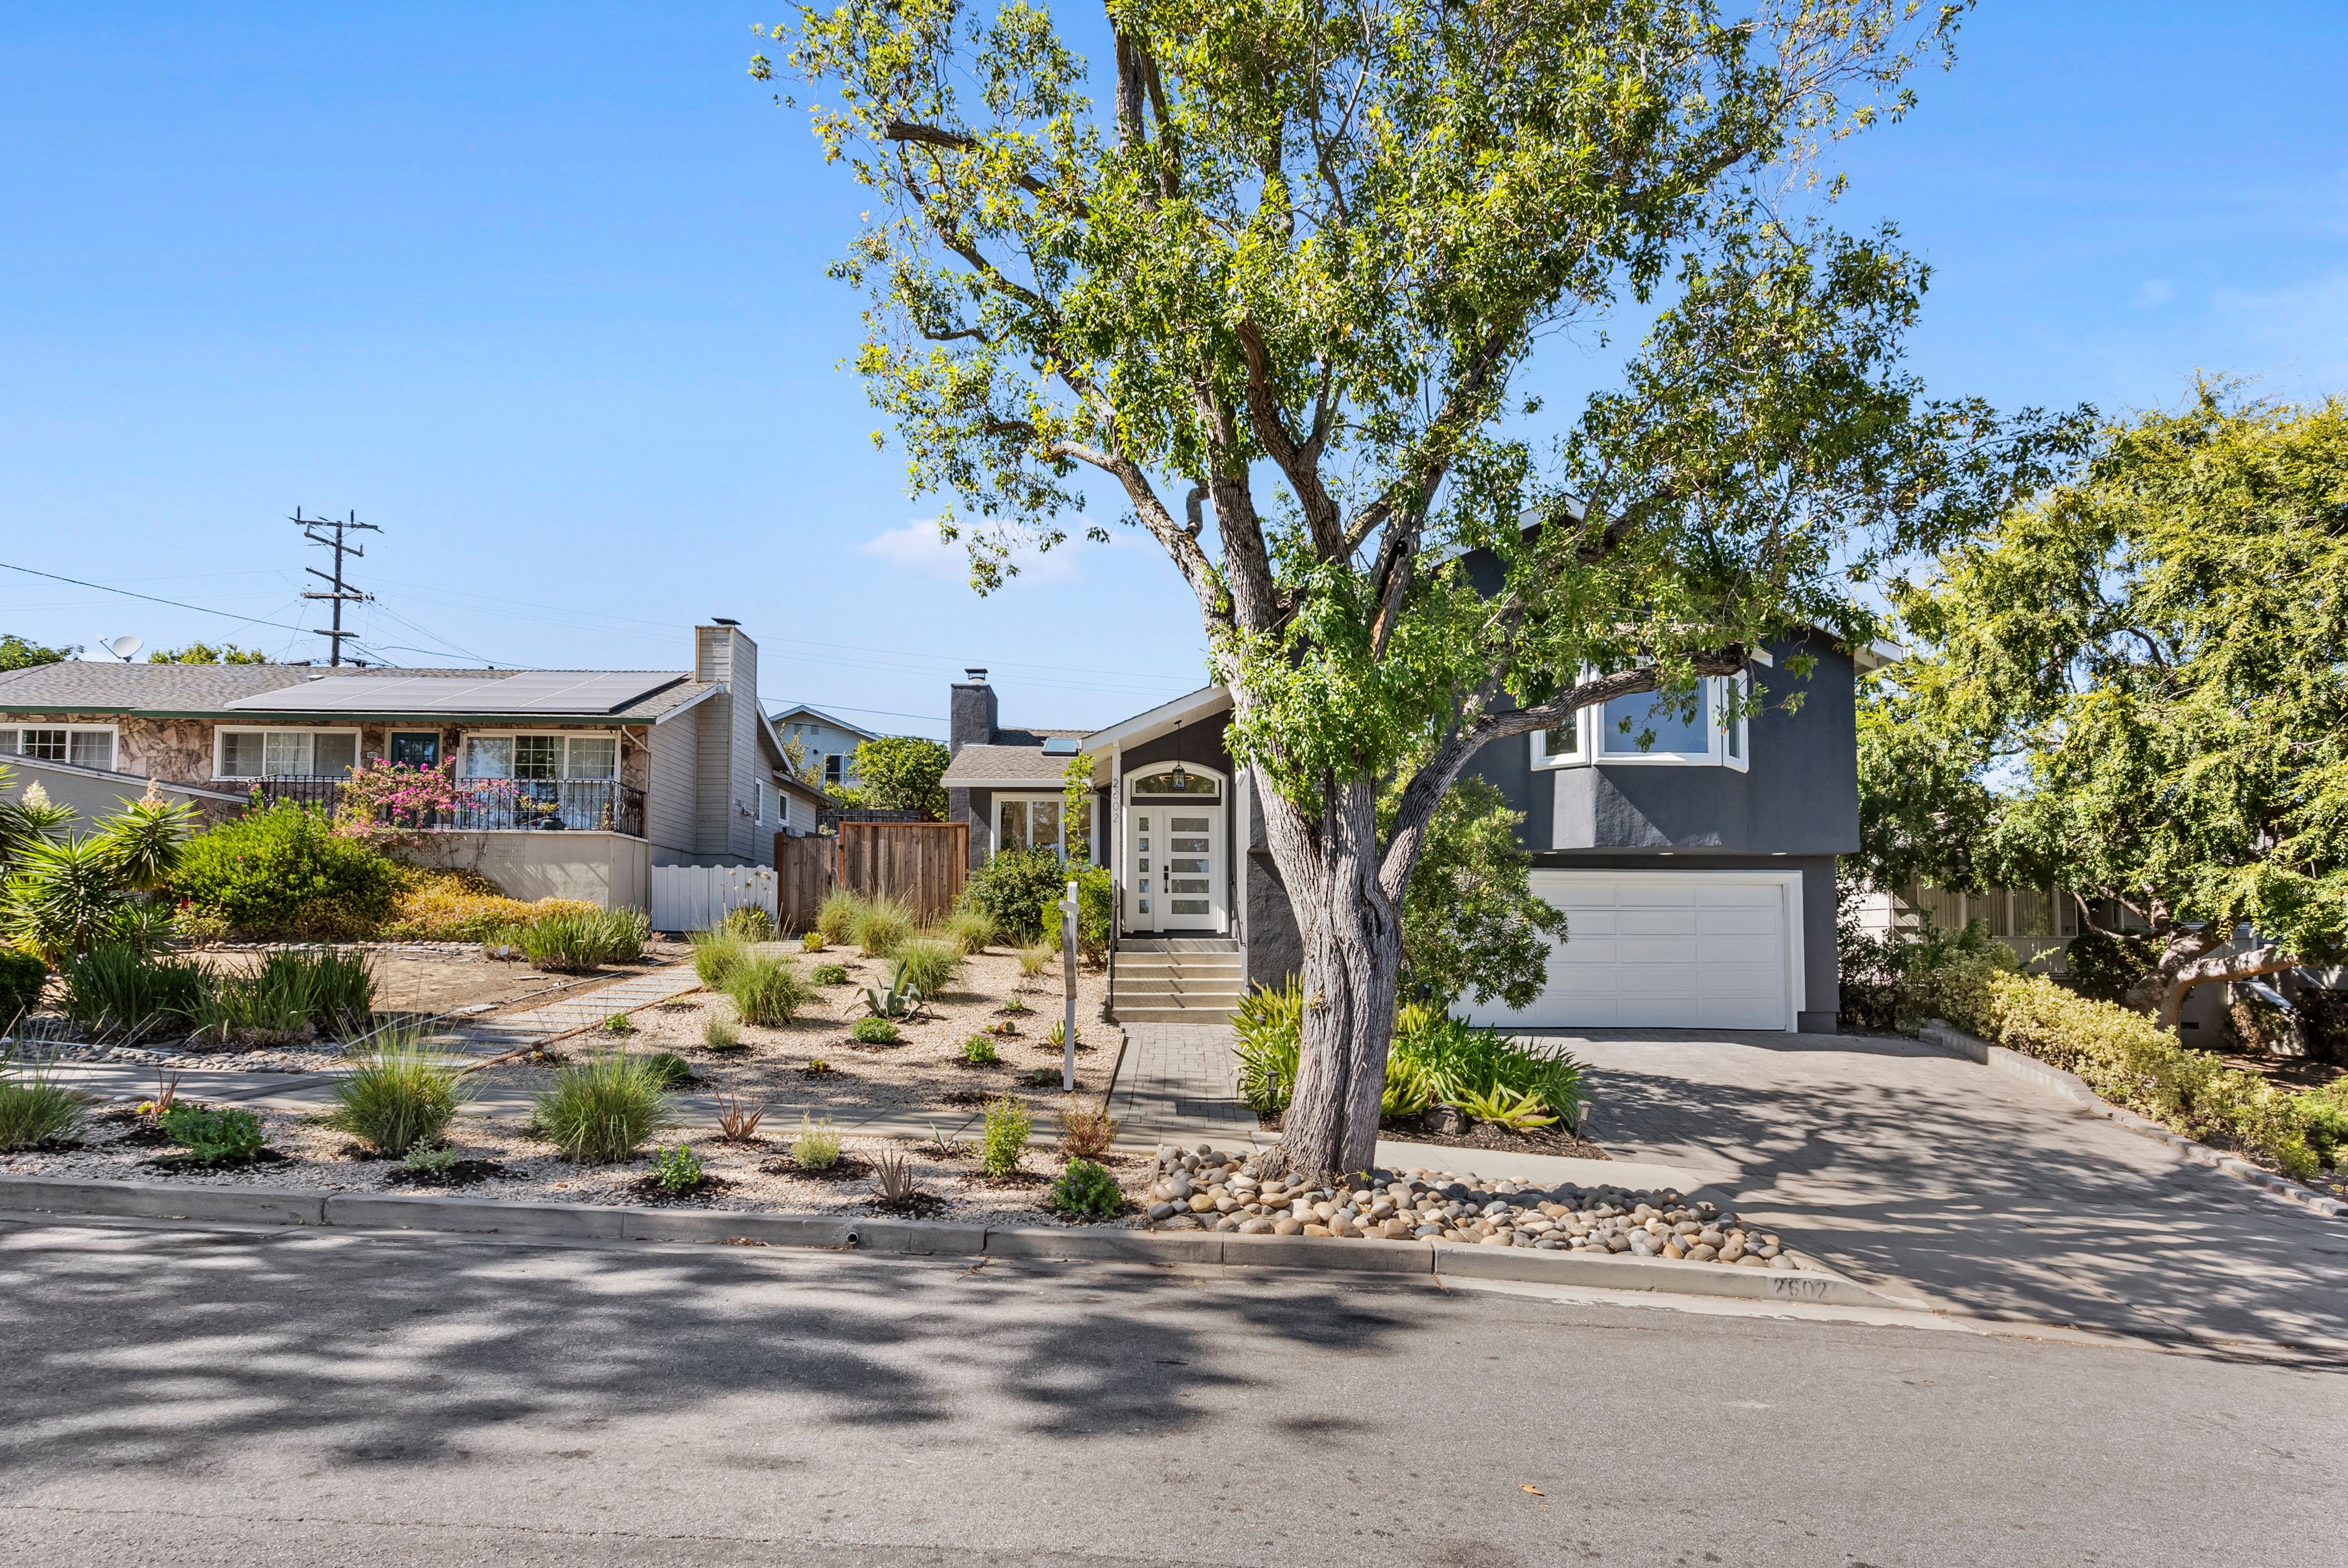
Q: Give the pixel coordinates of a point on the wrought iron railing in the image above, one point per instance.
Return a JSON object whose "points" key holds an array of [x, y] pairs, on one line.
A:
{"points": [[492, 805]]}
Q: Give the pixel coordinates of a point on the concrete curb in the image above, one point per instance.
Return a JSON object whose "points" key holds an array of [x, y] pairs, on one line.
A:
{"points": [[1092, 1243], [2071, 1087]]}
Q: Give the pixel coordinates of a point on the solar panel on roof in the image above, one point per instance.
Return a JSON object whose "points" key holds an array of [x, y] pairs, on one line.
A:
{"points": [[546, 692]]}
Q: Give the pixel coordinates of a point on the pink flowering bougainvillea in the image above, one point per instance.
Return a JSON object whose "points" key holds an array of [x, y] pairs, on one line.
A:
{"points": [[386, 803]]}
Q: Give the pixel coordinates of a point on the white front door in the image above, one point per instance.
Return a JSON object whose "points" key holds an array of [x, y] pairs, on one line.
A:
{"points": [[1176, 876]]}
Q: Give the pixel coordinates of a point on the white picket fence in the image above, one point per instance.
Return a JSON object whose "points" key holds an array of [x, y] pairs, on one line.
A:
{"points": [[689, 897]]}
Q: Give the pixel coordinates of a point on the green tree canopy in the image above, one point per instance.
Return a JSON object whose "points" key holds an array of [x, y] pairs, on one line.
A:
{"points": [[205, 654], [16, 654], [1273, 295], [2137, 687], [1470, 923], [900, 772]]}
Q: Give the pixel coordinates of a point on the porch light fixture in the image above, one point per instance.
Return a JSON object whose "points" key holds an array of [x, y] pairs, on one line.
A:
{"points": [[1181, 779]]}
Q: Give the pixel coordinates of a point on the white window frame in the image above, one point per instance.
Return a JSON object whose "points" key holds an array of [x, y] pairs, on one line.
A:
{"points": [[1576, 759], [1715, 752], [465, 739], [113, 732], [1004, 797], [221, 733]]}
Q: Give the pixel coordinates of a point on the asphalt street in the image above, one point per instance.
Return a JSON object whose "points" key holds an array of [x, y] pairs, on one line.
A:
{"points": [[214, 1395]]}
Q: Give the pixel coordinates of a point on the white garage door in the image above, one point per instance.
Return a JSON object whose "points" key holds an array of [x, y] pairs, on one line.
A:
{"points": [[1669, 950]]}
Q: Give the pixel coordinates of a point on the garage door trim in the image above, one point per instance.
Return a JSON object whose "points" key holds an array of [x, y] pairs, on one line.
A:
{"points": [[1788, 882]]}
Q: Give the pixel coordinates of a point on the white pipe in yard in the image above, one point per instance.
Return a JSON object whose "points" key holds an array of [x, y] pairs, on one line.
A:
{"points": [[1068, 1019]]}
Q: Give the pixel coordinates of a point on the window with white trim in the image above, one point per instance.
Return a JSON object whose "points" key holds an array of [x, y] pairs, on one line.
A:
{"points": [[1034, 822], [1651, 728], [540, 756], [279, 753], [83, 745]]}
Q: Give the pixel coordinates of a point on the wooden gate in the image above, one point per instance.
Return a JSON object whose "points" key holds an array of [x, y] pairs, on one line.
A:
{"points": [[920, 864], [805, 868]]}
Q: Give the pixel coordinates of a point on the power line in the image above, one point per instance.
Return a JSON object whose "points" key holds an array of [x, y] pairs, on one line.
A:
{"points": [[174, 604]]}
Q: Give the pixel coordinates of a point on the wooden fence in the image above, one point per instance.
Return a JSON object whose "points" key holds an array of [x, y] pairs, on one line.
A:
{"points": [[921, 864], [806, 868]]}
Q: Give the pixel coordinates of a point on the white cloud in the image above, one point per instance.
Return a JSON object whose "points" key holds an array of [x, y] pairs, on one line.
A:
{"points": [[916, 548]]}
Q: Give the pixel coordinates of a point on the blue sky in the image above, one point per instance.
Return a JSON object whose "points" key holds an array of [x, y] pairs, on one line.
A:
{"points": [[540, 290]]}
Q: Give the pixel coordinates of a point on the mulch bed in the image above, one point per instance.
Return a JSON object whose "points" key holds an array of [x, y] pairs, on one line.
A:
{"points": [[464, 1173], [170, 1164], [847, 1168], [648, 1190], [913, 1206], [1015, 1179]]}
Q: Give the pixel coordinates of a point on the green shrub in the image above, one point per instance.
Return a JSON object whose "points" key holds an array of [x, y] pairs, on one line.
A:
{"points": [[716, 953], [927, 967], [979, 1051], [257, 1008], [818, 1146], [400, 1095], [2325, 1113], [719, 1031], [873, 1031], [882, 926], [812, 942], [127, 993], [1267, 1035], [605, 1109], [751, 923], [1012, 888], [768, 992], [431, 1159], [971, 931], [625, 932], [21, 978], [1087, 1188], [673, 1070], [1431, 1057], [1895, 982], [2129, 1061], [35, 1110], [836, 919], [1005, 1139], [678, 1170], [619, 1023], [283, 871], [831, 974], [208, 1137]]}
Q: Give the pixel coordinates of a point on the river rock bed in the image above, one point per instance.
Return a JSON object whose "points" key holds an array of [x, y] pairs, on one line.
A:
{"points": [[1202, 1188]]}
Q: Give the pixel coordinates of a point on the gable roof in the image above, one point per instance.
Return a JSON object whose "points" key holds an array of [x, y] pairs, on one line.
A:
{"points": [[1004, 767], [784, 715]]}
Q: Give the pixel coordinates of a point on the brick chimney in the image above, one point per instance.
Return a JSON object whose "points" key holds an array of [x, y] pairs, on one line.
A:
{"points": [[971, 712]]}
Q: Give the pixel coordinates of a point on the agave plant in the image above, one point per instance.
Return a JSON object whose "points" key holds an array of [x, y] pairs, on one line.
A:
{"points": [[899, 999]]}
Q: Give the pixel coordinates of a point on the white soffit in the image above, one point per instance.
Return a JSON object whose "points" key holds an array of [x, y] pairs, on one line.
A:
{"points": [[548, 691]]}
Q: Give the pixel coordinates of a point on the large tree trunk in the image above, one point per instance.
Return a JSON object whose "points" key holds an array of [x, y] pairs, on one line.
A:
{"points": [[1352, 952], [2186, 962]]}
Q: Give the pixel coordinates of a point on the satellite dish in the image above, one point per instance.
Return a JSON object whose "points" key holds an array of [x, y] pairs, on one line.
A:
{"points": [[122, 648]]}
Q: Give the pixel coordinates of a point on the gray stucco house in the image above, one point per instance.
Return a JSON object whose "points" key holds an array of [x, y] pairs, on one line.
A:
{"points": [[579, 781], [1697, 871]]}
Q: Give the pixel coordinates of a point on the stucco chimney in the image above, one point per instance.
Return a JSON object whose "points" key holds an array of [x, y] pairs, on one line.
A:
{"points": [[970, 713]]}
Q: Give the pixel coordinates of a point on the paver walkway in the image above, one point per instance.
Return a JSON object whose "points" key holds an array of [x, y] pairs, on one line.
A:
{"points": [[1176, 1085], [1981, 1193]]}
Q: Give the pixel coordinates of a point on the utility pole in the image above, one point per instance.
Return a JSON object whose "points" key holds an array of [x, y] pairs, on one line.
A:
{"points": [[342, 592]]}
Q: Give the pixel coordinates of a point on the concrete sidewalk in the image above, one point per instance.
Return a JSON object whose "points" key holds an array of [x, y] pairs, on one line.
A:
{"points": [[1930, 1175]]}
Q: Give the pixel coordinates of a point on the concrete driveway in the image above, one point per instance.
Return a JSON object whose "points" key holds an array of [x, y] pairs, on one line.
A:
{"points": [[1983, 1195]]}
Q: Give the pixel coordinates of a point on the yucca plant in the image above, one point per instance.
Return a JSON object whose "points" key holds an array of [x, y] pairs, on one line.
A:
{"points": [[64, 896], [400, 1095], [605, 1109]]}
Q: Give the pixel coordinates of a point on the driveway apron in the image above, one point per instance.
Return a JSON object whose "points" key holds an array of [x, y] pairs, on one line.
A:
{"points": [[1925, 1173]]}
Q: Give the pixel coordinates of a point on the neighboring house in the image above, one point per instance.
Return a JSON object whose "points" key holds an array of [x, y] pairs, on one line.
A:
{"points": [[1698, 875], [827, 743], [586, 778], [2037, 924]]}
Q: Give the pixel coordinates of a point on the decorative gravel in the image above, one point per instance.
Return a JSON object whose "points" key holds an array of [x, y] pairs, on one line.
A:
{"points": [[1204, 1189]]}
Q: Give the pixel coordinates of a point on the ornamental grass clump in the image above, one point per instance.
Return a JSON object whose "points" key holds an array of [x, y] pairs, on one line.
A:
{"points": [[400, 1095], [564, 944], [768, 991], [605, 1109], [817, 1147], [836, 919], [972, 931], [719, 1031], [36, 1112], [881, 927], [125, 993], [927, 967], [717, 952], [751, 922]]}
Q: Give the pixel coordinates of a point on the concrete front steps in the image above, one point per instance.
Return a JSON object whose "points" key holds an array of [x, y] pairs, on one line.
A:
{"points": [[1168, 985]]}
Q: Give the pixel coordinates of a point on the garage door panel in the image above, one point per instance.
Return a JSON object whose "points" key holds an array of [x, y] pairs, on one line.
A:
{"points": [[1664, 951]]}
